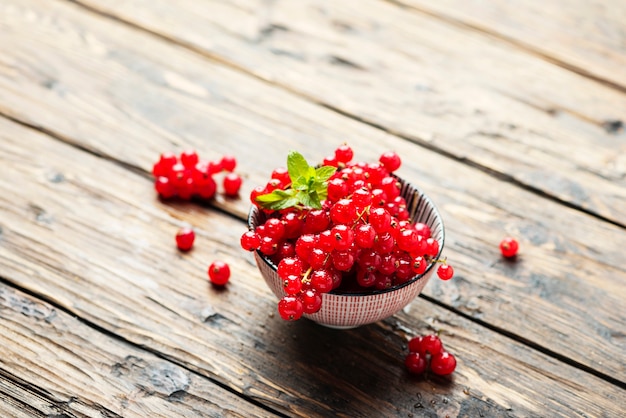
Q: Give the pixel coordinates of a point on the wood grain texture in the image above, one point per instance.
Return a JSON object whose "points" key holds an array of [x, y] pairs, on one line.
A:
{"points": [[53, 365], [443, 86], [112, 82], [100, 246], [587, 35]]}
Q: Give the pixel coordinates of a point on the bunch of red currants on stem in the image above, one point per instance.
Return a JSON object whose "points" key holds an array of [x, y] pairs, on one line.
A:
{"points": [[186, 176], [428, 353], [341, 226]]}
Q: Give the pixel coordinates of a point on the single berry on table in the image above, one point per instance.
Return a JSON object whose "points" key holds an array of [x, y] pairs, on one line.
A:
{"points": [[189, 158], [232, 184], [219, 273], [509, 247], [430, 344], [185, 238], [443, 363], [228, 163], [415, 363]]}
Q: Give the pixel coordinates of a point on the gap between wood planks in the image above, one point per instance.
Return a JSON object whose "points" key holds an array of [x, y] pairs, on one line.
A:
{"points": [[420, 142], [42, 396], [522, 46], [104, 331], [137, 170]]}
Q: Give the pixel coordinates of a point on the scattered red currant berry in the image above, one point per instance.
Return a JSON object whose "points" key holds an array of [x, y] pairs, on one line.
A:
{"points": [[219, 273], [189, 158], [185, 238], [445, 272], [232, 184], [443, 363], [509, 247], [228, 163], [415, 363], [164, 187], [430, 344]]}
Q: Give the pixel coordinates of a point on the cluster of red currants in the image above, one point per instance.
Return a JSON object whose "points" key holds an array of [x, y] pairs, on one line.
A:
{"points": [[428, 352], [359, 239], [186, 176]]}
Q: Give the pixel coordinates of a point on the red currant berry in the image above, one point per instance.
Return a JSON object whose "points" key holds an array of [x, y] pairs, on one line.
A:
{"points": [[207, 188], [422, 230], [219, 273], [415, 344], [342, 260], [337, 189], [391, 161], [282, 175], [189, 158], [326, 240], [443, 363], [304, 246], [311, 301], [365, 235], [344, 154], [430, 344], [269, 246], [214, 166], [331, 161], [228, 163], [232, 184], [164, 165], [509, 247], [445, 272], [321, 281], [343, 212], [185, 238], [380, 219], [291, 266], [290, 308], [365, 278], [286, 249], [293, 225], [432, 247], [250, 241], [415, 363], [164, 187], [292, 285], [316, 221], [275, 228], [419, 265], [344, 237]]}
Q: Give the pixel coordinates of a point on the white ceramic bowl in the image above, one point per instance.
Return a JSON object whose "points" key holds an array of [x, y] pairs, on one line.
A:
{"points": [[348, 310]]}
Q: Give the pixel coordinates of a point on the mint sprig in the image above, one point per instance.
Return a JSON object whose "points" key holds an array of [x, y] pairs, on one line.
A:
{"points": [[309, 186]]}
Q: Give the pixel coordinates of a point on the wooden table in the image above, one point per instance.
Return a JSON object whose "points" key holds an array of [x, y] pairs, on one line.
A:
{"points": [[509, 115]]}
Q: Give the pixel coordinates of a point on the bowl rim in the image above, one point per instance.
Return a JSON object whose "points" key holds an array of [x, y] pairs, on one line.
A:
{"points": [[374, 292]]}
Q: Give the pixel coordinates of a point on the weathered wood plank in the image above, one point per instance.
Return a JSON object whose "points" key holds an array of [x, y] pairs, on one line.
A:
{"points": [[442, 86], [123, 84], [586, 35], [97, 243], [54, 365]]}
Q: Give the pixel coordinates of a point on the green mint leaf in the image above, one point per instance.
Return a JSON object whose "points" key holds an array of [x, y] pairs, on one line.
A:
{"points": [[309, 186], [325, 172], [310, 199], [278, 199], [297, 167]]}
